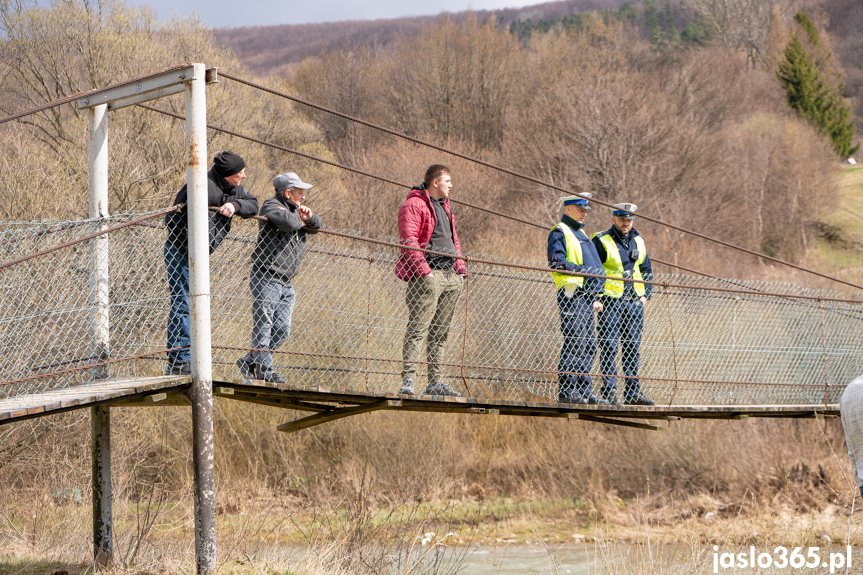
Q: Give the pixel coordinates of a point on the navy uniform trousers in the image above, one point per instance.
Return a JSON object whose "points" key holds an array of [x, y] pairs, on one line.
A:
{"points": [[579, 343], [620, 324]]}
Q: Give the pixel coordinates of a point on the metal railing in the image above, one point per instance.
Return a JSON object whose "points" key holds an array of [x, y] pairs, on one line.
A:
{"points": [[705, 341]]}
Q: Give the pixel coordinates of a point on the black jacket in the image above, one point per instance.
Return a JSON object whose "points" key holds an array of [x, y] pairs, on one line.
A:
{"points": [[219, 193]]}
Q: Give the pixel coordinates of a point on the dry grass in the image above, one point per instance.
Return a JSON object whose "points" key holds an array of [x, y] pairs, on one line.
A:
{"points": [[840, 245], [364, 491]]}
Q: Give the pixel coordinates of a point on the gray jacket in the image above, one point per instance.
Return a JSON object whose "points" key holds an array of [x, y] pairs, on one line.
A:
{"points": [[282, 239]]}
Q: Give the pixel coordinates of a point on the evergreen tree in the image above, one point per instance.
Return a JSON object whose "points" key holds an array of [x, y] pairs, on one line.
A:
{"points": [[800, 77], [697, 32], [651, 15], [671, 23], [808, 26], [811, 95]]}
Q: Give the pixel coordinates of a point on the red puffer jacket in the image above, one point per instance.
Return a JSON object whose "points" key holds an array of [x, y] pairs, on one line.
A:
{"points": [[416, 224]]}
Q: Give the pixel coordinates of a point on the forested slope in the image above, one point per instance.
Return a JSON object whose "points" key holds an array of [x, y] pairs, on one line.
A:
{"points": [[696, 130]]}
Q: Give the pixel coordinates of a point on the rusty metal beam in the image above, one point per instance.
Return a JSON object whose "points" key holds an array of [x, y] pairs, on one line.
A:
{"points": [[100, 453], [621, 422], [336, 413]]}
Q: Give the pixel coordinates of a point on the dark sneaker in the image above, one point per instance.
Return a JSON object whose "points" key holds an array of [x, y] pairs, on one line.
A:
{"points": [[183, 368], [609, 396], [246, 368], [593, 400], [638, 398], [569, 398], [271, 377], [440, 388], [407, 387]]}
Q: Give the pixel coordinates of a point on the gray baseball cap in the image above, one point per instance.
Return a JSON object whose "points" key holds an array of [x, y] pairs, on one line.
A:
{"points": [[289, 180]]}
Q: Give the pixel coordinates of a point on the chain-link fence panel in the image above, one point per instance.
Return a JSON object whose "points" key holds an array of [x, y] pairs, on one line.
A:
{"points": [[79, 313], [704, 340], [341, 319]]}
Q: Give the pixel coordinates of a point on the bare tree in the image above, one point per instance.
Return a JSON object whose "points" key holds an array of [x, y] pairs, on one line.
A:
{"points": [[743, 24], [454, 80], [49, 52]]}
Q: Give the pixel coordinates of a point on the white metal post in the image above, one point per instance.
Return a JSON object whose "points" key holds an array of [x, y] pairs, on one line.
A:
{"points": [[100, 417], [201, 392], [99, 279]]}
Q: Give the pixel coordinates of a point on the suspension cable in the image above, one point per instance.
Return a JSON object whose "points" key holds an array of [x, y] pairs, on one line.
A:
{"points": [[531, 179], [754, 253], [79, 95], [529, 267], [380, 178]]}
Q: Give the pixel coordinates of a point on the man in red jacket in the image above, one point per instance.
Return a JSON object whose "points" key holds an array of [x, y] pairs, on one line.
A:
{"points": [[435, 280]]}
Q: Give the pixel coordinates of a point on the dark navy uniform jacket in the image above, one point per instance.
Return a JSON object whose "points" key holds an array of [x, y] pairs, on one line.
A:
{"points": [[590, 258], [623, 246]]}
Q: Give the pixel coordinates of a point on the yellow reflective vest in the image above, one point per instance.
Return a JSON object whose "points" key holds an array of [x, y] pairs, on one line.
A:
{"points": [[613, 265], [573, 255]]}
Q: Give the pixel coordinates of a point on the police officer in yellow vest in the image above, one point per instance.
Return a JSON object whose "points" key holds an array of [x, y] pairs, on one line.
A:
{"points": [[577, 297], [624, 255]]}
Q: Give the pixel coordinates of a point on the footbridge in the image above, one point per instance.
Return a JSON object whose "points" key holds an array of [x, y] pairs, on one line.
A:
{"points": [[85, 306], [711, 347]]}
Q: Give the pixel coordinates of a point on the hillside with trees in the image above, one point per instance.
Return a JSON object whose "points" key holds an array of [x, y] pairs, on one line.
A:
{"points": [[271, 50], [679, 109], [743, 27], [683, 108]]}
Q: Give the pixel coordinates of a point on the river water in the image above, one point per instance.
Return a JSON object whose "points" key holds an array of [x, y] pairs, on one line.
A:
{"points": [[530, 560], [613, 558]]}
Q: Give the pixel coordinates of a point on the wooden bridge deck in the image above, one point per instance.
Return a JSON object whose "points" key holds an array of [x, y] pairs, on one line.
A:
{"points": [[325, 404], [109, 391]]}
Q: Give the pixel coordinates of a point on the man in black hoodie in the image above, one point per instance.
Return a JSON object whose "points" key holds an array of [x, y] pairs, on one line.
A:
{"points": [[224, 192]]}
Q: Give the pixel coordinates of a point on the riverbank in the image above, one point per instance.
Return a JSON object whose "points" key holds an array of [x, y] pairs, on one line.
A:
{"points": [[265, 535], [377, 487]]}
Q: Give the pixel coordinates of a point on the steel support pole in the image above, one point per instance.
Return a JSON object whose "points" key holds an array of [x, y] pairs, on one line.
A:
{"points": [[100, 417], [201, 391], [100, 451], [99, 279]]}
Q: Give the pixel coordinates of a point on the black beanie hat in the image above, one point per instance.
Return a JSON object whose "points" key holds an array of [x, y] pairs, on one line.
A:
{"points": [[228, 163]]}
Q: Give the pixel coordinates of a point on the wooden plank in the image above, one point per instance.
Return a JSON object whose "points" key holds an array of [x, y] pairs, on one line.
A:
{"points": [[542, 409], [326, 401], [332, 415], [74, 397], [172, 399]]}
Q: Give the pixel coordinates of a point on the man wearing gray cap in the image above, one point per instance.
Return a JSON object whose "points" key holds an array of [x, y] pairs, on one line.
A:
{"points": [[624, 256], [224, 192], [275, 261]]}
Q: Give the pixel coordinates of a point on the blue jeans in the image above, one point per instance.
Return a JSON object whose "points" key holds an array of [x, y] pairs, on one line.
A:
{"points": [[272, 307], [579, 343], [621, 321], [177, 266]]}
